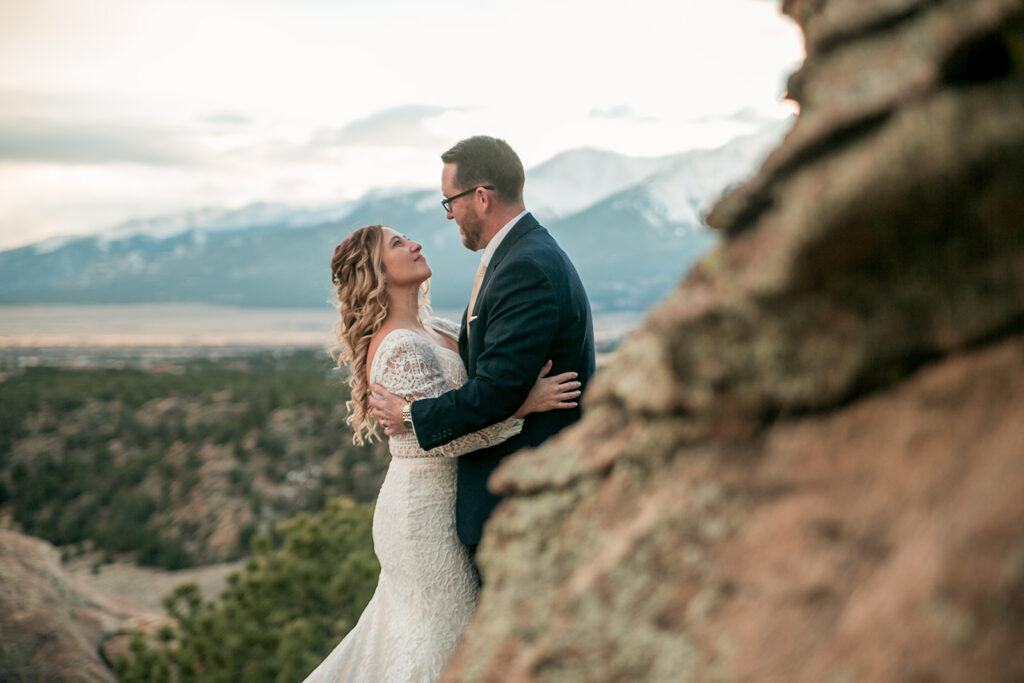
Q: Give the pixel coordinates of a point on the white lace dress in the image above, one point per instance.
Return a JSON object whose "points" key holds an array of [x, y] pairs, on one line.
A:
{"points": [[427, 590]]}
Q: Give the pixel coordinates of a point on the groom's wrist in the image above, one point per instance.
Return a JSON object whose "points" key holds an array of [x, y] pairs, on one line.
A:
{"points": [[407, 416]]}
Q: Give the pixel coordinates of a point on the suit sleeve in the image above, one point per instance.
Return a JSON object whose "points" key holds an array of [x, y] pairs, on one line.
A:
{"points": [[410, 369], [522, 319]]}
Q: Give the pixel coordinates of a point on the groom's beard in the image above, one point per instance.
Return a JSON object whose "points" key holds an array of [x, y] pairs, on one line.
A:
{"points": [[472, 229]]}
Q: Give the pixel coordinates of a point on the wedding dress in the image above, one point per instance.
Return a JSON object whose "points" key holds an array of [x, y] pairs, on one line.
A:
{"points": [[427, 589]]}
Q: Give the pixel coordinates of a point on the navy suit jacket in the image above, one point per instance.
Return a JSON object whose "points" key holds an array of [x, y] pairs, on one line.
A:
{"points": [[531, 308]]}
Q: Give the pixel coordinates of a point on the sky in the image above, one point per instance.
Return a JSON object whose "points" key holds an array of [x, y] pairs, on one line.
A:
{"points": [[119, 109]]}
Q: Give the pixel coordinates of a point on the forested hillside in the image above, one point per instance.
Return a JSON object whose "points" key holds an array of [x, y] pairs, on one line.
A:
{"points": [[181, 463]]}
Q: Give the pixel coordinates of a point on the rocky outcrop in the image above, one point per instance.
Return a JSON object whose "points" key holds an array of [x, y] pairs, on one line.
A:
{"points": [[807, 464], [53, 628]]}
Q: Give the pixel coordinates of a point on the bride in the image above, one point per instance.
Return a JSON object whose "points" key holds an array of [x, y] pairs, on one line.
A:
{"points": [[427, 588]]}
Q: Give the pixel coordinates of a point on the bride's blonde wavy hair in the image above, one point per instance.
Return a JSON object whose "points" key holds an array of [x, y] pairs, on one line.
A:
{"points": [[361, 287]]}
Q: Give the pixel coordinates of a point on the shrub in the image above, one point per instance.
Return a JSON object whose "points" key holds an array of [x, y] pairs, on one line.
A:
{"points": [[280, 616]]}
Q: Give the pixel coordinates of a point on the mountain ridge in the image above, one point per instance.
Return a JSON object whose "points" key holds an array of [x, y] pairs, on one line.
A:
{"points": [[632, 226]]}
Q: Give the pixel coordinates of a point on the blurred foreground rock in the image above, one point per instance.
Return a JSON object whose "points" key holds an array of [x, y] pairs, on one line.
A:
{"points": [[808, 465], [53, 628]]}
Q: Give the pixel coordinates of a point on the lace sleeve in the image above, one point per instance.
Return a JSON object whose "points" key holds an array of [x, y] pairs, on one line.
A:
{"points": [[407, 365]]}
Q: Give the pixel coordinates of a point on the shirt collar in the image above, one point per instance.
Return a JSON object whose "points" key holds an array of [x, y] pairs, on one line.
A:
{"points": [[492, 246]]}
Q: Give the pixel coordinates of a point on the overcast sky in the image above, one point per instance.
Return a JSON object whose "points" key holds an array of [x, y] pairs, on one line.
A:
{"points": [[114, 109]]}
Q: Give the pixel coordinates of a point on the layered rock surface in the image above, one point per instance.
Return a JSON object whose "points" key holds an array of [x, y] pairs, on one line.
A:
{"points": [[807, 464], [54, 628]]}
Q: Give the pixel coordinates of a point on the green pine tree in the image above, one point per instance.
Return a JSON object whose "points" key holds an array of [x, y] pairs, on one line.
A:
{"points": [[280, 617]]}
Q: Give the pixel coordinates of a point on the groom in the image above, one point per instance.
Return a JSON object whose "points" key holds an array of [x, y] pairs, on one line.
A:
{"points": [[527, 306]]}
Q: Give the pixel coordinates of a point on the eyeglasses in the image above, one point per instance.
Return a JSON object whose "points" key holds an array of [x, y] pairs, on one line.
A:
{"points": [[447, 201]]}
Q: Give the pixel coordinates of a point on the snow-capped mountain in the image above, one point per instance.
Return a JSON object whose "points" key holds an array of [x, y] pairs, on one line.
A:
{"points": [[576, 179], [631, 225], [685, 189], [211, 219]]}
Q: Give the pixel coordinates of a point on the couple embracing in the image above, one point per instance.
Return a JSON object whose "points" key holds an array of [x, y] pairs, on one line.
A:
{"points": [[453, 401]]}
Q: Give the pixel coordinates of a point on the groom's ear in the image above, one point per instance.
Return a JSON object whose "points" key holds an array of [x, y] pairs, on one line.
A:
{"points": [[487, 198]]}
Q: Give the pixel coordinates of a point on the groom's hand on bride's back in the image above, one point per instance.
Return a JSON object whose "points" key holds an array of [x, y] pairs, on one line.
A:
{"points": [[387, 408], [558, 392]]}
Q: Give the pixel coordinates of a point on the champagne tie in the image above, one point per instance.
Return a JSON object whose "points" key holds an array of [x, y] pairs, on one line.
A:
{"points": [[476, 290]]}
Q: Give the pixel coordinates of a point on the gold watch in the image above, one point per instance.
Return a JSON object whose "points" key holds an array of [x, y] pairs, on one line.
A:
{"points": [[407, 416]]}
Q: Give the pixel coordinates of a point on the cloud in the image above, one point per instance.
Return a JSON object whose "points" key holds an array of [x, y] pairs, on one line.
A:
{"points": [[749, 116], [227, 118], [619, 111], [46, 140], [71, 127], [398, 127], [67, 104]]}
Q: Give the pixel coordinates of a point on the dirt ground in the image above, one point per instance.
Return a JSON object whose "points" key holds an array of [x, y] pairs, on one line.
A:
{"points": [[147, 586]]}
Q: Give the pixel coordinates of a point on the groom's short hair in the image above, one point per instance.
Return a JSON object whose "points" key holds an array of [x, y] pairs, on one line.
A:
{"points": [[483, 160]]}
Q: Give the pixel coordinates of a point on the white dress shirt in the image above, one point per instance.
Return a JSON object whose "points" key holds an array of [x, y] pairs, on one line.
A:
{"points": [[492, 246]]}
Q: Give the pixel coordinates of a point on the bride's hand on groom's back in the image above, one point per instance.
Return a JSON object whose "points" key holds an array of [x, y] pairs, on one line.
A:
{"points": [[558, 392]]}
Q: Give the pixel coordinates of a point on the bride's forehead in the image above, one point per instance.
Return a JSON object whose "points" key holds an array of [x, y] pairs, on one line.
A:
{"points": [[389, 233]]}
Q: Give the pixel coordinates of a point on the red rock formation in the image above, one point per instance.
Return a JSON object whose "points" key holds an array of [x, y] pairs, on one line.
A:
{"points": [[808, 464], [53, 628]]}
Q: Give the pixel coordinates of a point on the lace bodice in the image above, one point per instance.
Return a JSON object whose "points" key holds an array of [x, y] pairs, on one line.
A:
{"points": [[413, 367]]}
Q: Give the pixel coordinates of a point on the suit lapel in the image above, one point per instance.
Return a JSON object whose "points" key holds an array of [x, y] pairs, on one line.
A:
{"points": [[525, 225]]}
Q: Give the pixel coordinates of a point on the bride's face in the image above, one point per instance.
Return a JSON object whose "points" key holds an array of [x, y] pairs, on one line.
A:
{"points": [[403, 260]]}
